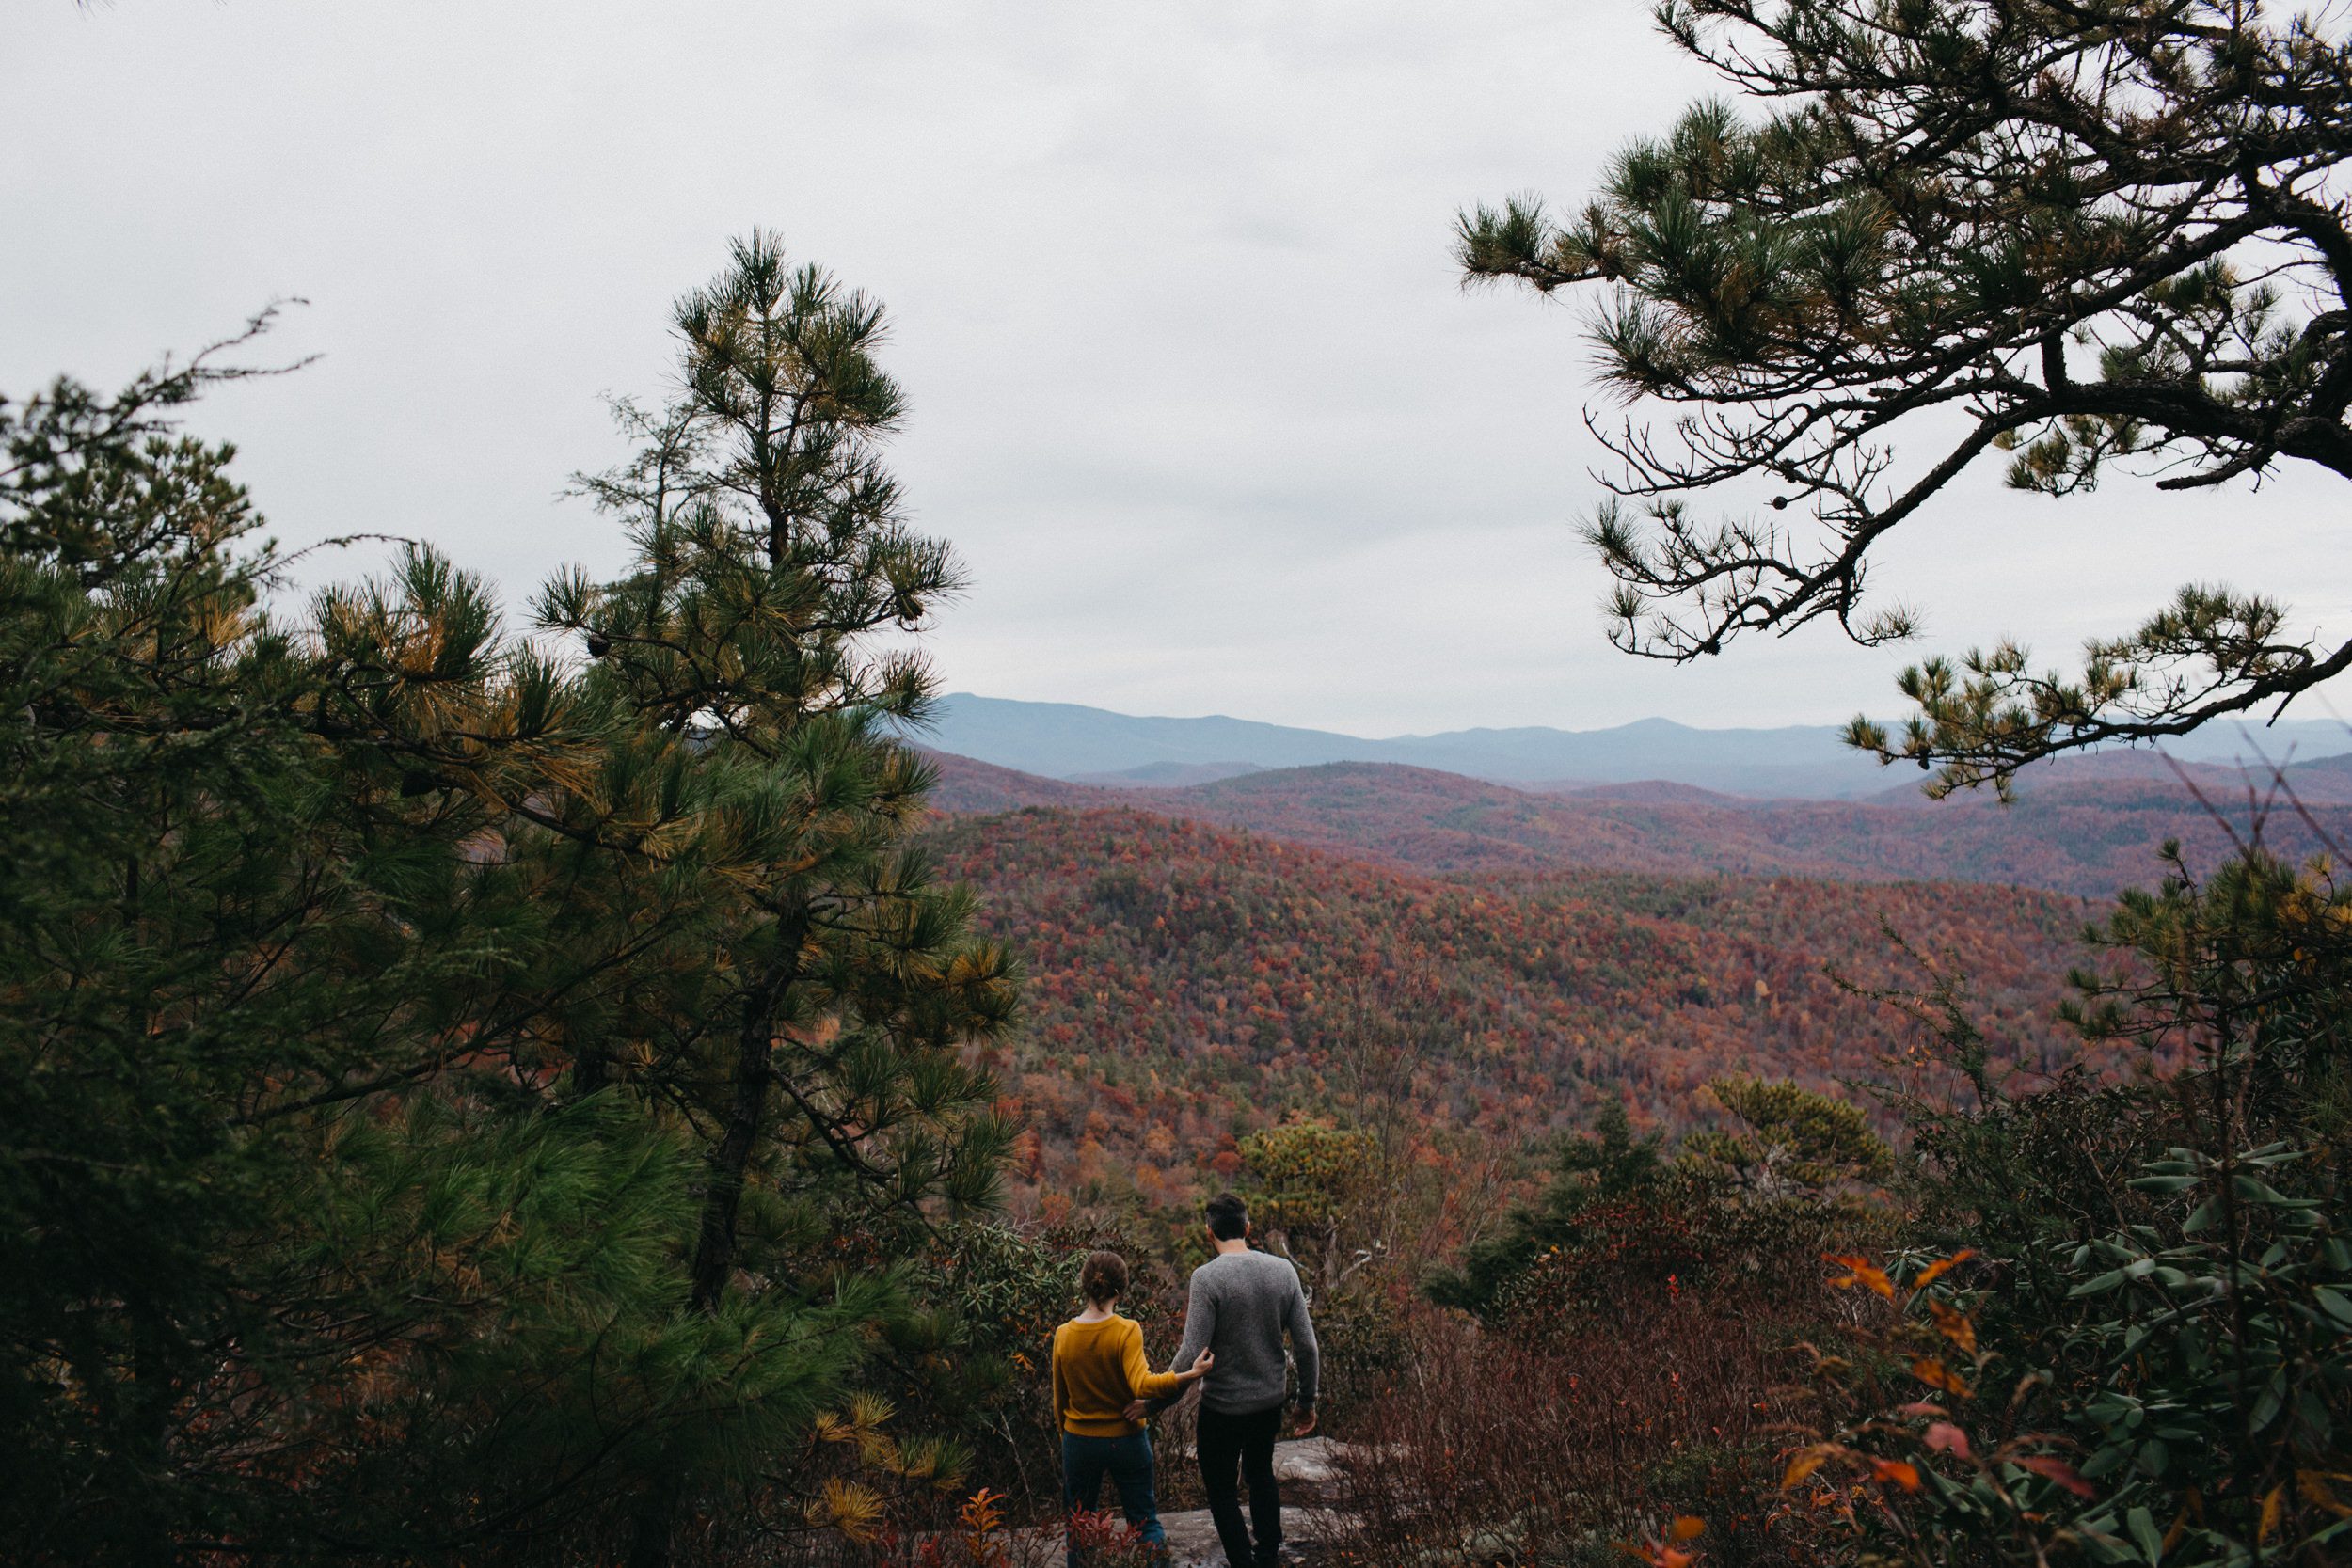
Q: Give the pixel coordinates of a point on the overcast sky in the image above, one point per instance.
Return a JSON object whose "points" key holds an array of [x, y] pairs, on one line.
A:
{"points": [[1194, 386]]}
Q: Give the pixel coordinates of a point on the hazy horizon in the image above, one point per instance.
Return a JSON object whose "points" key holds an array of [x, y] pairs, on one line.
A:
{"points": [[2300, 738]]}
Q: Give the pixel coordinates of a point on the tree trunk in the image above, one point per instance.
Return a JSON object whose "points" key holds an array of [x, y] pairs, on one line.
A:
{"points": [[714, 1248], [649, 1532], [590, 1071], [722, 1200]]}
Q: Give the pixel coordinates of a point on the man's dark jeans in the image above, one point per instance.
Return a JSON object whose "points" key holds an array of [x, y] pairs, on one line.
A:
{"points": [[1245, 1443], [1085, 1461]]}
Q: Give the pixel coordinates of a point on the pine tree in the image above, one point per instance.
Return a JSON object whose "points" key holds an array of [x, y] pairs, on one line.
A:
{"points": [[243, 928], [1785, 1141], [2089, 232], [467, 1105], [819, 1055]]}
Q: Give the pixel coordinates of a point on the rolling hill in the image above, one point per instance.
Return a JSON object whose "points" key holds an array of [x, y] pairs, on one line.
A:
{"points": [[1188, 982], [1495, 962], [2085, 833]]}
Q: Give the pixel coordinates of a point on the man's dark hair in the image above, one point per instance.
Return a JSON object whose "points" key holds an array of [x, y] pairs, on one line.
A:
{"points": [[1229, 1217]]}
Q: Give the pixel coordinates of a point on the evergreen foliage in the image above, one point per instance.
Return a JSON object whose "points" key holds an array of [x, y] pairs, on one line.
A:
{"points": [[1314, 1179], [2088, 233], [1787, 1142], [1727, 1211], [2136, 1349], [443, 1076], [811, 1035], [1610, 1166]]}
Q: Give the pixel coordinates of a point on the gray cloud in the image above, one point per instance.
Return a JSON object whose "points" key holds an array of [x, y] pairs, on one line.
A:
{"points": [[1194, 386]]}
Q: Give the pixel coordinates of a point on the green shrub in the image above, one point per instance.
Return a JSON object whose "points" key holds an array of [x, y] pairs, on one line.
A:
{"points": [[2146, 1357]]}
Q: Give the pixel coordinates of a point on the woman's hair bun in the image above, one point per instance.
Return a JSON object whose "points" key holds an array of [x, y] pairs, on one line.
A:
{"points": [[1104, 1277]]}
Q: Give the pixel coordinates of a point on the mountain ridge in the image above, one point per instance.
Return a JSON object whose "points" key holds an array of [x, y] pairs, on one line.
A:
{"points": [[2088, 838], [1074, 743]]}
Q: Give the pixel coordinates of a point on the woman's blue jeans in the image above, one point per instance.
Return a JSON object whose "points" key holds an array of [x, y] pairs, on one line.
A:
{"points": [[1085, 1461]]}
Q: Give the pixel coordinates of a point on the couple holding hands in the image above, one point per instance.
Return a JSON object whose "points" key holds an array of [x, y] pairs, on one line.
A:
{"points": [[1242, 1305]]}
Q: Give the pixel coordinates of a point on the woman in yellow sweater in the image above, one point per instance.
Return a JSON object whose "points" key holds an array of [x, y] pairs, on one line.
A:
{"points": [[1098, 1370]]}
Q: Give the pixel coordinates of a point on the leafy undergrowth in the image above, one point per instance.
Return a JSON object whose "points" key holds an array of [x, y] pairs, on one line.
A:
{"points": [[1496, 1448]]}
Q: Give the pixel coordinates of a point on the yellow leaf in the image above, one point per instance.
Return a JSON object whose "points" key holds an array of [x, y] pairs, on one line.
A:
{"points": [[1687, 1528], [2273, 1506], [2312, 1485], [1806, 1463], [1955, 1324], [1934, 1374], [1861, 1271], [1941, 1267], [851, 1509]]}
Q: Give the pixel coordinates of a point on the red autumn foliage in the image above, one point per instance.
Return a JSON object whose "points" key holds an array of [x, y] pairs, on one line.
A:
{"points": [[2087, 827], [1498, 1447], [1185, 981]]}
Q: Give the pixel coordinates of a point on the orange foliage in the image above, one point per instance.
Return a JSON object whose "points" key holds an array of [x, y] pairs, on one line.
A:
{"points": [[1187, 984]]}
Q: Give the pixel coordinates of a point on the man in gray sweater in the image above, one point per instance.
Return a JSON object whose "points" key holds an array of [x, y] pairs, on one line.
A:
{"points": [[1242, 1303]]}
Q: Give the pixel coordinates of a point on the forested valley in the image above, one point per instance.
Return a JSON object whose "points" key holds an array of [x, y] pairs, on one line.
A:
{"points": [[1188, 986]]}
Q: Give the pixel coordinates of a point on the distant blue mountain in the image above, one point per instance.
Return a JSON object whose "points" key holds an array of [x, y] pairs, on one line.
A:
{"points": [[1063, 740]]}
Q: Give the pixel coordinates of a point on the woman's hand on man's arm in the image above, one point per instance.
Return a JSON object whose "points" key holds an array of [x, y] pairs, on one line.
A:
{"points": [[1137, 1409]]}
